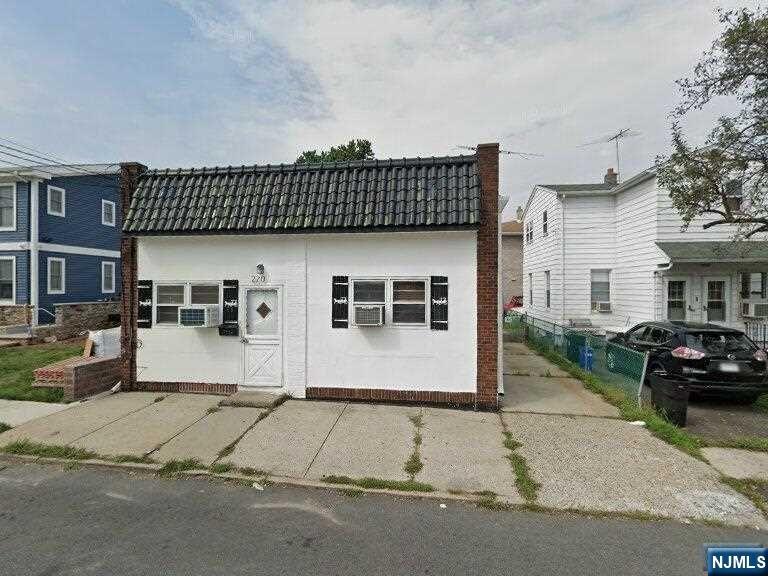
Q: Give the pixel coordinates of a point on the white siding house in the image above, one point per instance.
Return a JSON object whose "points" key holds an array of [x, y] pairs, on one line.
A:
{"points": [[631, 236]]}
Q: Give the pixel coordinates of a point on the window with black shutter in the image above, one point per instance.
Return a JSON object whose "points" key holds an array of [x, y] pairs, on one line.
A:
{"points": [[144, 300], [439, 302], [340, 302]]}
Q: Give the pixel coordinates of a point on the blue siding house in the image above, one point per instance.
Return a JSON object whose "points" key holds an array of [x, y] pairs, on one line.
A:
{"points": [[59, 237]]}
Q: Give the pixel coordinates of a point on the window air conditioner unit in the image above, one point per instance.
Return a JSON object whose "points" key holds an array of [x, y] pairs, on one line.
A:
{"points": [[754, 309], [200, 316], [601, 306], [369, 315]]}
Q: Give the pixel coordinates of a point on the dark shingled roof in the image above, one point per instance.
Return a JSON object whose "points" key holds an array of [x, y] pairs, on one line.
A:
{"points": [[578, 187], [360, 195]]}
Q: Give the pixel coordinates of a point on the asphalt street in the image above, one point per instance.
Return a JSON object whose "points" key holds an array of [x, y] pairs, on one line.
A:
{"points": [[55, 521]]}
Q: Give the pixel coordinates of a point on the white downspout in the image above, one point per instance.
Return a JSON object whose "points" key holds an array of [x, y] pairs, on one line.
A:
{"points": [[34, 251]]}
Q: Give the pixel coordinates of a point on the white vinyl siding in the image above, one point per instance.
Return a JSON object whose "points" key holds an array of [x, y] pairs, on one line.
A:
{"points": [[543, 254], [590, 244]]}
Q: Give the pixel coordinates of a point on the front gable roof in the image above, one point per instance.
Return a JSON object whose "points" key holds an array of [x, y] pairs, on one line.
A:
{"points": [[345, 196]]}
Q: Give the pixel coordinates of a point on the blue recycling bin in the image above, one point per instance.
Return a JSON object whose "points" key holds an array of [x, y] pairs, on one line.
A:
{"points": [[586, 358]]}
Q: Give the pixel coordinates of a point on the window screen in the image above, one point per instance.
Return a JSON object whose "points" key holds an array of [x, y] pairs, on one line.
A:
{"points": [[370, 291], [205, 294], [409, 302]]}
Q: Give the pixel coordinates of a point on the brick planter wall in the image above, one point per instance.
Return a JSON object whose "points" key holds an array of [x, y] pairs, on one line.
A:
{"points": [[11, 315], [80, 377]]}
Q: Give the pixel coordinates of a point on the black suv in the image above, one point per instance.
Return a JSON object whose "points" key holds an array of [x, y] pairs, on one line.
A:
{"points": [[712, 359]]}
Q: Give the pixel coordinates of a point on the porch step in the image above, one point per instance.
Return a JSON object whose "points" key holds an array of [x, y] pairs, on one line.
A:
{"points": [[252, 399]]}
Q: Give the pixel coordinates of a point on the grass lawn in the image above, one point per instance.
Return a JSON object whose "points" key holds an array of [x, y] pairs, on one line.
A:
{"points": [[18, 362]]}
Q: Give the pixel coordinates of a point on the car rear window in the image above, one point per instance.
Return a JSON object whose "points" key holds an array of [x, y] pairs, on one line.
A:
{"points": [[718, 342]]}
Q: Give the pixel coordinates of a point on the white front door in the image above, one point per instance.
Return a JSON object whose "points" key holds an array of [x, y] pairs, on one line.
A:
{"points": [[678, 304], [262, 338], [716, 301]]}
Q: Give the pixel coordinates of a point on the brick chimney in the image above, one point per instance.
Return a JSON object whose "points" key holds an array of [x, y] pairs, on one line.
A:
{"points": [[611, 177]]}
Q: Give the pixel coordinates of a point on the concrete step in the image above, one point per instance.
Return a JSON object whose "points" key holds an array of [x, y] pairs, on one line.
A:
{"points": [[252, 399]]}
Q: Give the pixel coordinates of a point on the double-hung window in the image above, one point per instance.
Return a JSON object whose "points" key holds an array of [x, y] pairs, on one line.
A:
{"points": [[107, 213], [171, 297], [544, 224], [404, 300], [409, 302], [108, 277], [57, 201], [546, 281], [600, 288], [7, 207], [57, 272], [7, 279]]}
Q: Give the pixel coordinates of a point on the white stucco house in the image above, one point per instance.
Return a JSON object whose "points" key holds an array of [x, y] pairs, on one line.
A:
{"points": [[617, 254], [369, 280]]}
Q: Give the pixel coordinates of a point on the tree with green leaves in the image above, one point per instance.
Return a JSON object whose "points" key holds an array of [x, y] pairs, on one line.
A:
{"points": [[726, 180], [354, 150]]}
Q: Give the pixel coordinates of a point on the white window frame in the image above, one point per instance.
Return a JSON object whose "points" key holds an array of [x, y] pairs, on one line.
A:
{"points": [[544, 224], [547, 289], [187, 298], [530, 289], [63, 263], [63, 212], [105, 203], [104, 265], [592, 303], [13, 280], [389, 299], [392, 303], [12, 228]]}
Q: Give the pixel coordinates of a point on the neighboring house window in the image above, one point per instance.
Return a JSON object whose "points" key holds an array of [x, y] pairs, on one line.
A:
{"points": [[530, 289], [8, 279], [107, 213], [734, 195], [529, 232], [409, 301], [8, 207], [753, 285], [676, 301], [108, 277], [57, 201], [57, 271], [600, 289], [171, 297], [544, 224], [546, 280]]}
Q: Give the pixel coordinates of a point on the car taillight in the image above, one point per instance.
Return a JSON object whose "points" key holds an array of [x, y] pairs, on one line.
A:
{"points": [[761, 355], [687, 353]]}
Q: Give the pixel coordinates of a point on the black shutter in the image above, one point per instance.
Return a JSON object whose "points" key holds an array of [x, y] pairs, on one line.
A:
{"points": [[340, 302], [144, 301], [438, 293], [230, 313]]}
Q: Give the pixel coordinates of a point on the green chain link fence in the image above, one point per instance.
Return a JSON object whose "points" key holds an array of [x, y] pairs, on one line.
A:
{"points": [[616, 365]]}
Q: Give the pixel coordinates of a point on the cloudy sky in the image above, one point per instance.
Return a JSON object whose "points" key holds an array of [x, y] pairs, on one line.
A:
{"points": [[199, 83]]}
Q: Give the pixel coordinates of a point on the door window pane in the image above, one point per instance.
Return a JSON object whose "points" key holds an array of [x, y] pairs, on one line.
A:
{"points": [[716, 300], [261, 312], [676, 303]]}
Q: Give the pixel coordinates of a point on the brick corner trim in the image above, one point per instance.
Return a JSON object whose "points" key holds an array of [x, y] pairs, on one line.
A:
{"points": [[466, 399], [129, 176], [487, 277]]}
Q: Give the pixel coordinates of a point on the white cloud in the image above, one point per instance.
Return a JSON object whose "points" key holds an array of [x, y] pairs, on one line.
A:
{"points": [[419, 78]]}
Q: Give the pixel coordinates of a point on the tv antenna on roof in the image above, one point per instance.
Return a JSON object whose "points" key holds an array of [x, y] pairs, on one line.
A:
{"points": [[615, 137], [525, 155]]}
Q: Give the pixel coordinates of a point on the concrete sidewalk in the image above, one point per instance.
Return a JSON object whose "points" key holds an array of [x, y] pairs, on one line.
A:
{"points": [[16, 412], [582, 462]]}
